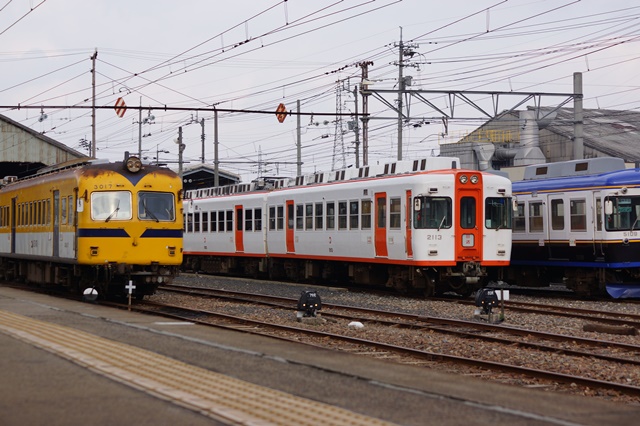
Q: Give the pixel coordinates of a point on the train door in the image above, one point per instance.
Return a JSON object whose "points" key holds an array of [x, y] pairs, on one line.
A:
{"points": [[380, 235], [290, 238], [468, 214], [13, 225], [408, 211], [239, 235], [557, 226], [56, 223]]}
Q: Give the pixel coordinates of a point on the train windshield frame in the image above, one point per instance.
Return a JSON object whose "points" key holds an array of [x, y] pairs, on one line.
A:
{"points": [[432, 212], [498, 212], [111, 205], [624, 213], [156, 206]]}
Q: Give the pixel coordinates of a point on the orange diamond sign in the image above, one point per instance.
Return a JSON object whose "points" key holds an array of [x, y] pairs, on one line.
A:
{"points": [[120, 107], [281, 113]]}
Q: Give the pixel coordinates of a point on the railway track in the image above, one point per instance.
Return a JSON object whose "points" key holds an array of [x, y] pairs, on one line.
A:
{"points": [[467, 333]]}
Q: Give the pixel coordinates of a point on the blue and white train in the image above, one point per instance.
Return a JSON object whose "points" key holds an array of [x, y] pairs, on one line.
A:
{"points": [[578, 222]]}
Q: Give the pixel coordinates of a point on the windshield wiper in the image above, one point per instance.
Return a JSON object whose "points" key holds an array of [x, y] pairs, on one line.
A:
{"points": [[144, 205], [114, 212], [441, 222]]}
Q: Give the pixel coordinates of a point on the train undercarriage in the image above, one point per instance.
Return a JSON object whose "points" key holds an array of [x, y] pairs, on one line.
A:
{"points": [[107, 280], [464, 279]]}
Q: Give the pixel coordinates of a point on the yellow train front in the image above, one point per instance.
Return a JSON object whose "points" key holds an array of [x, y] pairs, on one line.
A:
{"points": [[94, 225]]}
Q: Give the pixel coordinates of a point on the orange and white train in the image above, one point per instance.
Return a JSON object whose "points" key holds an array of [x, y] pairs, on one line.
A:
{"points": [[423, 225]]}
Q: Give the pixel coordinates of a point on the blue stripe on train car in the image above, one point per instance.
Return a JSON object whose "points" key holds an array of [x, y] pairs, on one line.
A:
{"points": [[101, 233], [162, 233]]}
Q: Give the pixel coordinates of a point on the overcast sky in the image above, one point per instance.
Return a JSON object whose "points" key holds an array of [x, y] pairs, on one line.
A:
{"points": [[253, 55]]}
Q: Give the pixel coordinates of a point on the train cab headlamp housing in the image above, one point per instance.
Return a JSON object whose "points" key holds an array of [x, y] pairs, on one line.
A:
{"points": [[463, 179], [308, 304], [133, 164], [474, 179], [486, 299]]}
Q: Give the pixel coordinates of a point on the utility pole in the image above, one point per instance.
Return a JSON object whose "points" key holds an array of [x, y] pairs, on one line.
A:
{"points": [[364, 91], [356, 127], [181, 147], [216, 161], [93, 109], [299, 143], [202, 138], [400, 94], [140, 130]]}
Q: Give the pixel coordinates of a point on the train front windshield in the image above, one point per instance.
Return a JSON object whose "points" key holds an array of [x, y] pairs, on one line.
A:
{"points": [[498, 213], [432, 212], [157, 206], [622, 213]]}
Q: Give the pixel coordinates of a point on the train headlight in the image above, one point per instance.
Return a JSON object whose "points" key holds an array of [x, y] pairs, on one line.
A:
{"points": [[474, 179], [133, 164], [464, 178]]}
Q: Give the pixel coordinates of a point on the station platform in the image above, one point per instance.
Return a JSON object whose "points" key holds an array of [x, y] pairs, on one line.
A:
{"points": [[71, 363]]}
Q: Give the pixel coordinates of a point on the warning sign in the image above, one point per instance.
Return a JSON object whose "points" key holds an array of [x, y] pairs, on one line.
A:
{"points": [[120, 107], [281, 113]]}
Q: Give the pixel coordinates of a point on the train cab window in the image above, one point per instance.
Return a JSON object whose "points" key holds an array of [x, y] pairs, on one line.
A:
{"points": [[272, 218], [331, 215], [229, 227], [497, 213], [308, 216], [535, 217], [519, 219], [248, 220], [557, 215], [299, 216], [280, 218], [394, 213], [467, 213], [354, 214], [622, 213], [156, 206], [342, 215], [196, 222], [258, 219], [432, 212], [319, 216], [578, 215], [111, 205], [366, 214]]}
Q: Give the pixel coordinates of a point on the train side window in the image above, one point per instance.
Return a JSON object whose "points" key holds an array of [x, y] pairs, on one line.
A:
{"points": [[308, 216], [342, 215], [557, 215], [354, 214], [63, 211], [394, 213], [48, 212], [519, 219], [366, 214], [248, 220], [468, 213], [280, 218], [299, 216], [196, 222], [71, 210], [578, 215], [221, 221], [229, 221], [319, 216], [258, 219], [331, 215], [205, 221], [213, 221], [535, 217], [190, 222], [599, 214], [272, 218]]}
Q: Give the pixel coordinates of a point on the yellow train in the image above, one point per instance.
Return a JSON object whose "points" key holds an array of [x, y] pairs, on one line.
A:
{"points": [[92, 224]]}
